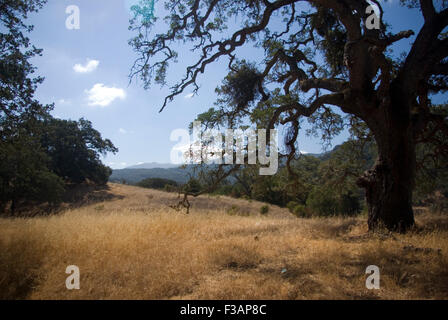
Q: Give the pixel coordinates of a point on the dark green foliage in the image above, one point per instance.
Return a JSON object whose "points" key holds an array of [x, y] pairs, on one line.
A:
{"points": [[157, 183], [240, 85], [307, 170], [321, 185], [269, 189], [47, 154], [326, 201], [299, 210], [264, 210], [74, 148], [192, 186], [16, 83], [333, 36], [323, 201], [24, 174]]}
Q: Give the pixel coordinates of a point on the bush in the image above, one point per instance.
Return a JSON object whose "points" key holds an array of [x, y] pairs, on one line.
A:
{"points": [[300, 211], [324, 201], [291, 205], [193, 186], [264, 209]]}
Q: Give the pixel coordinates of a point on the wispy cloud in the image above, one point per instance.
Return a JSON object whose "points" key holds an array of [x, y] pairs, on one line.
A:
{"points": [[102, 96], [189, 96], [63, 101], [90, 66], [122, 131]]}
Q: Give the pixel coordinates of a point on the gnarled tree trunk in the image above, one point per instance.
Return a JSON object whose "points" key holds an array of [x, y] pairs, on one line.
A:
{"points": [[390, 183]]}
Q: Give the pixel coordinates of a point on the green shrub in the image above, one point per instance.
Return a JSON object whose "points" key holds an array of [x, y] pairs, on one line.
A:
{"points": [[300, 211], [264, 209], [193, 186], [291, 205], [325, 201]]}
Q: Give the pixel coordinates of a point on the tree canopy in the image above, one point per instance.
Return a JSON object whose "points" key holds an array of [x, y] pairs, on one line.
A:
{"points": [[384, 97]]}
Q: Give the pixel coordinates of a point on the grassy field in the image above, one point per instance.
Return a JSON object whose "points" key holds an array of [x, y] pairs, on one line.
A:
{"points": [[133, 246]]}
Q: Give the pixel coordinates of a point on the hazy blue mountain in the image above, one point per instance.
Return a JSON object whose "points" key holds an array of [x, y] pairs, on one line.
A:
{"points": [[153, 165], [137, 173], [132, 176]]}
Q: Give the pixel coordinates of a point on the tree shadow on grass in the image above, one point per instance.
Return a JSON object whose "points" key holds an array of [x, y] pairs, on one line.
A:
{"points": [[75, 196], [18, 269]]}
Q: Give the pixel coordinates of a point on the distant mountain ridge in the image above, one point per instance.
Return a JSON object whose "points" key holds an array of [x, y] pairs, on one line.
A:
{"points": [[153, 165], [133, 175], [137, 173]]}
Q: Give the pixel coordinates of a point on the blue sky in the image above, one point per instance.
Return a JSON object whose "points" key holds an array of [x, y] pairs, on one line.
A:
{"points": [[86, 75]]}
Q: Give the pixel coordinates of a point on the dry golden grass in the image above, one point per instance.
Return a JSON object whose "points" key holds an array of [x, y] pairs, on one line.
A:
{"points": [[135, 247]]}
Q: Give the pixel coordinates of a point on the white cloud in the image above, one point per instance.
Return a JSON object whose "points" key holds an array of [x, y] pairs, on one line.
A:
{"points": [[189, 96], [102, 96], [63, 101], [123, 131], [90, 66]]}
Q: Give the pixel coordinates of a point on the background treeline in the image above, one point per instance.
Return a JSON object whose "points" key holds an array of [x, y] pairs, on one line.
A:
{"points": [[158, 183], [326, 185], [319, 185]]}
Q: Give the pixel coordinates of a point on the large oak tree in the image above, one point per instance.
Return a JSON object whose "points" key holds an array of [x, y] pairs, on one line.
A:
{"points": [[327, 54]]}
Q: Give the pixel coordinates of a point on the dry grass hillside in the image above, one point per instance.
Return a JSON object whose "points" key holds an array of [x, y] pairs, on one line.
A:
{"points": [[133, 246]]}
